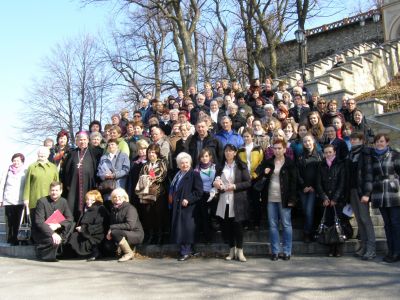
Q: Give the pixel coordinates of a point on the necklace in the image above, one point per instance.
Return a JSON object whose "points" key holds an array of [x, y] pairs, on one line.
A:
{"points": [[79, 164]]}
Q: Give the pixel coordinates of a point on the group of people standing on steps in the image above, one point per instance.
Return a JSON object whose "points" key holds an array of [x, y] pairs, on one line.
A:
{"points": [[197, 163]]}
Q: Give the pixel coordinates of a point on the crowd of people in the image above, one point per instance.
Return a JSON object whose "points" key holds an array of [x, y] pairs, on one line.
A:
{"points": [[199, 162]]}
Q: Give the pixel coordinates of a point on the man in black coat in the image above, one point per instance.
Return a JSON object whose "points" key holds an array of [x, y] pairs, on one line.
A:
{"points": [[49, 237], [202, 139], [299, 113], [194, 113]]}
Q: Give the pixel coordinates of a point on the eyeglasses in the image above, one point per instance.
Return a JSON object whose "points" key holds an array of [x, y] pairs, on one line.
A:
{"points": [[137, 116], [321, 102]]}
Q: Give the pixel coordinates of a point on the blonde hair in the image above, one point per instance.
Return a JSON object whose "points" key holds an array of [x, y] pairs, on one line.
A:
{"points": [[142, 144], [119, 192], [96, 194]]}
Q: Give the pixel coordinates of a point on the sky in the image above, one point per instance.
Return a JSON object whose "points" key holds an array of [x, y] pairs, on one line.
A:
{"points": [[28, 31]]}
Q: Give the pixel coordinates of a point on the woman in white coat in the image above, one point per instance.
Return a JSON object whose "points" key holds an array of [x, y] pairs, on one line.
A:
{"points": [[11, 191]]}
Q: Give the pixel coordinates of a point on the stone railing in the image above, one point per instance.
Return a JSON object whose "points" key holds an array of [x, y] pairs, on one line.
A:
{"points": [[343, 22]]}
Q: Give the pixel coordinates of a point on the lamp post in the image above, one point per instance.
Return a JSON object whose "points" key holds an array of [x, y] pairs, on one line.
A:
{"points": [[362, 24], [301, 39], [377, 17]]}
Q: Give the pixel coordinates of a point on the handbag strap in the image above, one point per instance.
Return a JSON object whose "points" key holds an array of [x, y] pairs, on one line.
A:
{"points": [[337, 220], [25, 212], [323, 219]]}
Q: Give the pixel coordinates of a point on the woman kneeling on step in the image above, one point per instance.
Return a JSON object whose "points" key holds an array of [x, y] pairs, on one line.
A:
{"points": [[125, 227]]}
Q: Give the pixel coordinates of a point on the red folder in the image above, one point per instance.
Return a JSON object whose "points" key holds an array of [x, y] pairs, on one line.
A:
{"points": [[56, 218]]}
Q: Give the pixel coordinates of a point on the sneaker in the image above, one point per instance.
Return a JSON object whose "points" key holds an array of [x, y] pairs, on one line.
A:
{"points": [[368, 256], [359, 253]]}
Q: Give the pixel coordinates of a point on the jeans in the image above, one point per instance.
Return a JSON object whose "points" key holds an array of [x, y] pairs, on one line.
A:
{"points": [[277, 213], [391, 217], [185, 249], [308, 203]]}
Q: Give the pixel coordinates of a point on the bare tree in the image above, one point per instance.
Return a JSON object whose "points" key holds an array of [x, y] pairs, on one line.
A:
{"points": [[73, 90]]}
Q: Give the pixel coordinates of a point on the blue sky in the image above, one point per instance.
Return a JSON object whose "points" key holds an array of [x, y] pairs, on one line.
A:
{"points": [[28, 31]]}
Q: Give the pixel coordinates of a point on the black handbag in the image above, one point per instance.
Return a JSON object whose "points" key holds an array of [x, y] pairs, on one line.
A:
{"points": [[260, 184], [25, 226], [107, 186], [330, 235]]}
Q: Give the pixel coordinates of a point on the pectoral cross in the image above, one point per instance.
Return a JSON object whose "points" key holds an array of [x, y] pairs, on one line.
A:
{"points": [[79, 165]]}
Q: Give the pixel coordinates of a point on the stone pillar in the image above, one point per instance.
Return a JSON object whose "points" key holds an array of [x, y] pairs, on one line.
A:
{"points": [[371, 107]]}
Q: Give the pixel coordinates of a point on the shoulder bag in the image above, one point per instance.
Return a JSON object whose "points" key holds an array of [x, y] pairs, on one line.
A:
{"points": [[25, 226], [330, 235]]}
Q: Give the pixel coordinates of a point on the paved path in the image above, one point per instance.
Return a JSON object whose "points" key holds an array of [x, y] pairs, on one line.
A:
{"points": [[200, 278]]}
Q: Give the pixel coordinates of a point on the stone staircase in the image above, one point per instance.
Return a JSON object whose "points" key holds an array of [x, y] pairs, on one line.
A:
{"points": [[366, 67], [256, 243]]}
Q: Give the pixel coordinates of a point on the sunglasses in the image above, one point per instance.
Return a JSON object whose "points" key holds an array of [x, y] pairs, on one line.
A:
{"points": [[321, 102]]}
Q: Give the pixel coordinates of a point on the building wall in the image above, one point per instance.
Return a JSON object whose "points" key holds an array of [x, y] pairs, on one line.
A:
{"points": [[391, 19], [326, 43]]}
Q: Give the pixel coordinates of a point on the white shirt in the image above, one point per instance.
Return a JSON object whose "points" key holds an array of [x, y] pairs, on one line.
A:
{"points": [[227, 177]]}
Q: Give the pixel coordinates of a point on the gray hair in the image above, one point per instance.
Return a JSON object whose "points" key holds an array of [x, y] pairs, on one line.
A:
{"points": [[201, 96], [226, 118], [95, 134], [181, 156], [268, 106], [232, 105], [43, 150]]}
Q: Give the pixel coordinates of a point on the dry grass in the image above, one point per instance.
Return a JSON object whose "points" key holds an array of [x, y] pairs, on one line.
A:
{"points": [[390, 93]]}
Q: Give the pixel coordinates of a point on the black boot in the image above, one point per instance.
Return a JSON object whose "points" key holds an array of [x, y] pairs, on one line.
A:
{"points": [[332, 250], [146, 239], [95, 254], [160, 239]]}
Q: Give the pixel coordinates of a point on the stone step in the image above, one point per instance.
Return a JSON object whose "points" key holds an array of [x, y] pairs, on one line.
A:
{"points": [[210, 250], [317, 86], [3, 226], [3, 237], [263, 235], [338, 94]]}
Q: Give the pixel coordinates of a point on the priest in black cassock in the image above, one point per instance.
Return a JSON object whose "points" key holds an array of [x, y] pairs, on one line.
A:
{"points": [[79, 174]]}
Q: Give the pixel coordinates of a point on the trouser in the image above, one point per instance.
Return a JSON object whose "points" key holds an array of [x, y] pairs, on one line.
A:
{"points": [[203, 217], [364, 222], [277, 213], [255, 206], [233, 230], [308, 204], [391, 217], [132, 237], [185, 249], [154, 215], [13, 217]]}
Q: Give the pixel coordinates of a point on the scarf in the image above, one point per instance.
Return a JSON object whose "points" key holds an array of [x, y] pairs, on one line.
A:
{"points": [[174, 186], [381, 152], [205, 166], [329, 162], [16, 170], [140, 160]]}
